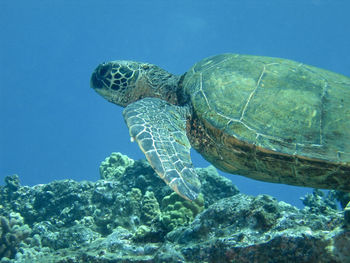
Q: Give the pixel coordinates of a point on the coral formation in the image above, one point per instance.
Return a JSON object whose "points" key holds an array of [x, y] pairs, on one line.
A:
{"points": [[150, 208], [130, 215], [178, 211], [319, 202], [13, 232], [114, 166]]}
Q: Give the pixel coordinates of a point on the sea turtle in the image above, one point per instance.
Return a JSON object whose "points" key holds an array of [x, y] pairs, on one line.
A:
{"points": [[270, 119]]}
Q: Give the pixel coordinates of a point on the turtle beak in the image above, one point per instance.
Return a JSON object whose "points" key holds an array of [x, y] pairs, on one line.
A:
{"points": [[95, 83], [99, 76]]}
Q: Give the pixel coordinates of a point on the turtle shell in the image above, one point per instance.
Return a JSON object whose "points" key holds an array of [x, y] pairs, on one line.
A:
{"points": [[271, 119]]}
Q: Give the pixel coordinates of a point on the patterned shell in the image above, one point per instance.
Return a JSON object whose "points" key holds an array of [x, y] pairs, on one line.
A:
{"points": [[277, 104]]}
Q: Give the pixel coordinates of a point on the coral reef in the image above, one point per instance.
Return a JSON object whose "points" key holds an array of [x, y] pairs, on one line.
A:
{"points": [[130, 215]]}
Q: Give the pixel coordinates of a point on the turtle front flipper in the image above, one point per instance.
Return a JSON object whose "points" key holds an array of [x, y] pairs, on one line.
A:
{"points": [[160, 131]]}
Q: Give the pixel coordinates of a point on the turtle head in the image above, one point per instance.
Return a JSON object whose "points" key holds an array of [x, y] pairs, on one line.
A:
{"points": [[123, 82], [117, 80]]}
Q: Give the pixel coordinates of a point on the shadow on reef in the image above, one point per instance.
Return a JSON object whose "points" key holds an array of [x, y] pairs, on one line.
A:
{"points": [[130, 215]]}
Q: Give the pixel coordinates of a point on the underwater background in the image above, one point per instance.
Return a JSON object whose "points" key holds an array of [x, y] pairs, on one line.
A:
{"points": [[54, 126]]}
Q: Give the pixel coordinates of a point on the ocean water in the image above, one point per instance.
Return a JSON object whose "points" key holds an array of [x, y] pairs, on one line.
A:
{"points": [[54, 126]]}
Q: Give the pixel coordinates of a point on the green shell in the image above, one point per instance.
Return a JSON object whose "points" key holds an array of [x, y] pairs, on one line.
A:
{"points": [[272, 119]]}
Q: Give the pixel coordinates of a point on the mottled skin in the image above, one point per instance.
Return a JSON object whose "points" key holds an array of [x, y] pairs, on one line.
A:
{"points": [[270, 119]]}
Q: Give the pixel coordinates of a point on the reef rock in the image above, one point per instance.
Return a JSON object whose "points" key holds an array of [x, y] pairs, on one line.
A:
{"points": [[130, 215]]}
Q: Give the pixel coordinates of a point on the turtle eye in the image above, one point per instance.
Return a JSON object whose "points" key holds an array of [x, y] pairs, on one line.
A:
{"points": [[103, 70]]}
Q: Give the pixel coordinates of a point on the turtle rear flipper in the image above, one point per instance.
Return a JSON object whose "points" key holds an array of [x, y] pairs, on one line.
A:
{"points": [[160, 131]]}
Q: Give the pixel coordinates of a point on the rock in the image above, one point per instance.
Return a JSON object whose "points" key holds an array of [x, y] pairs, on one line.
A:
{"points": [[255, 229], [130, 215], [214, 186], [12, 182]]}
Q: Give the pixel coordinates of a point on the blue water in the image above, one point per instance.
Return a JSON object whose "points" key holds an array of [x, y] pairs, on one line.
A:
{"points": [[53, 126]]}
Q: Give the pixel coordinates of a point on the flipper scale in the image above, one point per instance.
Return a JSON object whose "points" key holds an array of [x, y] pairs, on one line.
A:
{"points": [[160, 130]]}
